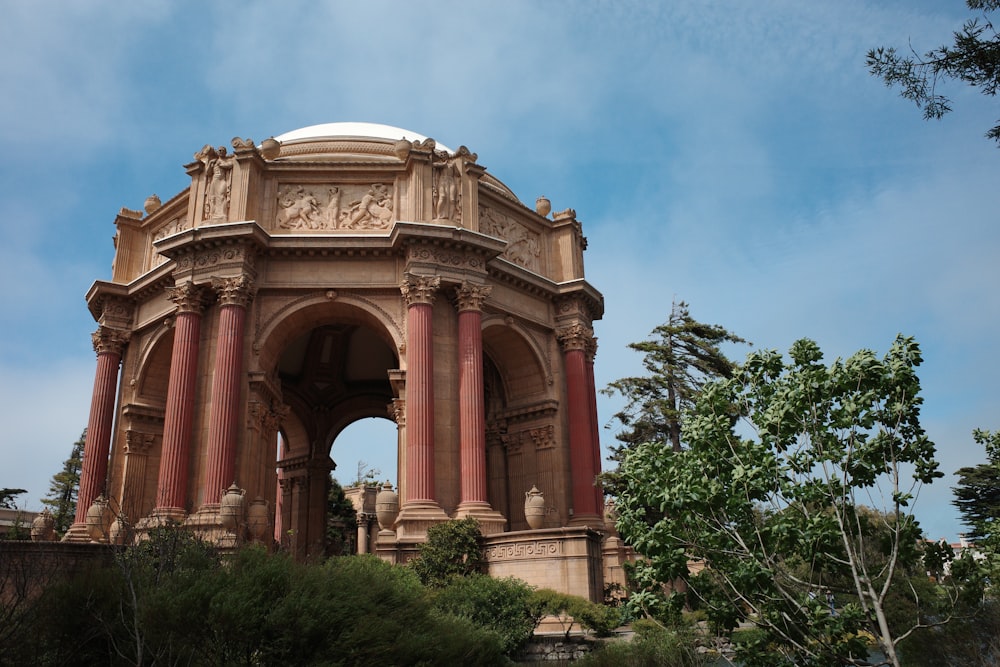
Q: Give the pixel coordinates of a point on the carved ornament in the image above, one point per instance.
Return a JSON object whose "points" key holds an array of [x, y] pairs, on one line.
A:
{"points": [[523, 550], [574, 337], [190, 298], [447, 188], [236, 291], [218, 181], [544, 437], [335, 207], [107, 340], [524, 246], [207, 258], [423, 253], [138, 443], [471, 296], [420, 289]]}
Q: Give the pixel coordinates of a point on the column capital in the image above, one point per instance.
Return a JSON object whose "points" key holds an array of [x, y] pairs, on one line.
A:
{"points": [[190, 298], [107, 340], [471, 296], [591, 349], [236, 291], [575, 337], [420, 289]]}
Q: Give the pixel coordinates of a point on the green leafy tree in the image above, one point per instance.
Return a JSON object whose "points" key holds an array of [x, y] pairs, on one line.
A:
{"points": [[974, 58], [500, 606], [453, 549], [65, 486], [340, 520], [772, 505]]}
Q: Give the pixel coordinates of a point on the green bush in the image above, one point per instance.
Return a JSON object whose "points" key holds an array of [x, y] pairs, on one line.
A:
{"points": [[453, 549], [575, 609], [652, 646], [501, 606]]}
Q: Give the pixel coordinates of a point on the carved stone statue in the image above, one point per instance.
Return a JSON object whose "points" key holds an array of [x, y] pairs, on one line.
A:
{"points": [[447, 182], [218, 170]]}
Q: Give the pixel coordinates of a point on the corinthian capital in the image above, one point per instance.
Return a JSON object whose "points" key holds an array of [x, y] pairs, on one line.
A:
{"points": [[190, 298], [236, 291], [420, 289], [575, 337], [471, 296], [109, 341]]}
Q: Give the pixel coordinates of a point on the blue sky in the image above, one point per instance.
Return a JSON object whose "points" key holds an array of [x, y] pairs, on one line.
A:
{"points": [[734, 155]]}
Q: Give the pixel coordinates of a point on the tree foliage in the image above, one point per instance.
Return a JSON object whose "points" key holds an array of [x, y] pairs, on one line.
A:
{"points": [[453, 549], [65, 486], [977, 495], [679, 357], [7, 497], [974, 58], [172, 600], [773, 506]]}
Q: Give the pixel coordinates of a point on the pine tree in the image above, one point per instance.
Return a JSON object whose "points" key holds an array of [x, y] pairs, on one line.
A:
{"points": [[64, 487], [680, 356]]}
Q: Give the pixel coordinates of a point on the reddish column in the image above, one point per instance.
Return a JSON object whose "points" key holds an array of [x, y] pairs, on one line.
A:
{"points": [[179, 414], [574, 340], [594, 427], [472, 410], [419, 293], [108, 344], [234, 295]]}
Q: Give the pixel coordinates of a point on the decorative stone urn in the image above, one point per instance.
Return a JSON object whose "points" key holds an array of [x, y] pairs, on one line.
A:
{"points": [[386, 507], [96, 520], [118, 531], [270, 148], [231, 508], [43, 528], [543, 206], [152, 204], [534, 508], [257, 519]]}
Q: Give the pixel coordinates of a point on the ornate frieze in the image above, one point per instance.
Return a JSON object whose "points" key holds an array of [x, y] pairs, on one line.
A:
{"points": [[471, 297], [420, 253], [524, 550], [334, 207], [178, 224], [524, 246], [207, 258], [420, 289], [235, 291]]}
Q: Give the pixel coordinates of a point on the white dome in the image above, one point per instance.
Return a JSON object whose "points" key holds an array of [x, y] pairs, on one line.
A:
{"points": [[359, 130]]}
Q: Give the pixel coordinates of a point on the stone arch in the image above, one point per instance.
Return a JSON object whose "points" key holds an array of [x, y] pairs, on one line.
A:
{"points": [[331, 358], [298, 316], [519, 361], [153, 368]]}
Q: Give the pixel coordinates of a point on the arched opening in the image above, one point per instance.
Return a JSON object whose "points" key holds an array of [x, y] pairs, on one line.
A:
{"points": [[335, 381]]}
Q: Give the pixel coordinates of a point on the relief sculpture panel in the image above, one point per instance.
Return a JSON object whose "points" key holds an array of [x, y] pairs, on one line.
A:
{"points": [[523, 245], [303, 208]]}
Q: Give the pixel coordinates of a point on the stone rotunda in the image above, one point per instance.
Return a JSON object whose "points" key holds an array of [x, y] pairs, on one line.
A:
{"points": [[332, 274]]}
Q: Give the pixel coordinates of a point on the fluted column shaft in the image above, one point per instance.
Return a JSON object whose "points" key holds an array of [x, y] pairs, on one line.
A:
{"points": [[594, 427], [472, 410], [179, 413], [108, 343], [419, 293], [234, 295], [581, 437]]}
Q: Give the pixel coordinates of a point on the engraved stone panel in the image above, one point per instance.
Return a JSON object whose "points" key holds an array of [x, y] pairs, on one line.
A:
{"points": [[327, 207], [524, 246]]}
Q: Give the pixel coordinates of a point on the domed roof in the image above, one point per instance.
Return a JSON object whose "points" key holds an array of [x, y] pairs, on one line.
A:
{"points": [[353, 130]]}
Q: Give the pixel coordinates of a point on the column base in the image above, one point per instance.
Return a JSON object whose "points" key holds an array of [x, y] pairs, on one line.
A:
{"points": [[77, 533], [416, 517], [490, 521], [592, 521]]}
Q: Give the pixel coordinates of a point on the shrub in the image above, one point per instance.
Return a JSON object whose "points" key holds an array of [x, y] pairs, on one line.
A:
{"points": [[453, 549], [652, 646], [501, 606], [572, 609]]}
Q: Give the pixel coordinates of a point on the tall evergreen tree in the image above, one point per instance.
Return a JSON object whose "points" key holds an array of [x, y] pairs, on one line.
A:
{"points": [[977, 495], [680, 356], [64, 487], [7, 497]]}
